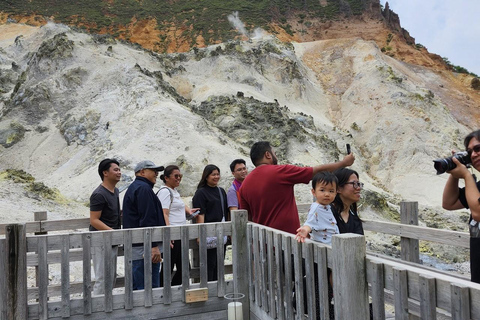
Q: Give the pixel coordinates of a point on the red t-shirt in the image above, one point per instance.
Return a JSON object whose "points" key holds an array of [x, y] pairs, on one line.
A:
{"points": [[267, 193]]}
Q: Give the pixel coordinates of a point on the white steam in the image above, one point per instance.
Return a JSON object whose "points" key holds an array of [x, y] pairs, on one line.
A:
{"points": [[235, 21]]}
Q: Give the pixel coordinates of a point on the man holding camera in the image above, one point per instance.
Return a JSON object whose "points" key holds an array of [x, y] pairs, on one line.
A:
{"points": [[468, 197]]}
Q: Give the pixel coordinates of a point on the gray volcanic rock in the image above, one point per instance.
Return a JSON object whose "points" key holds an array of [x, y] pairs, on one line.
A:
{"points": [[69, 99]]}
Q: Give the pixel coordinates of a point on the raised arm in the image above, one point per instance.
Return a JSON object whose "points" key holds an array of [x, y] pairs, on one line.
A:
{"points": [[347, 161]]}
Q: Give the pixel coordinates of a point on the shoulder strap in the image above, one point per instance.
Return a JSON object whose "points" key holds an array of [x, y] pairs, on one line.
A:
{"points": [[171, 195], [221, 201]]}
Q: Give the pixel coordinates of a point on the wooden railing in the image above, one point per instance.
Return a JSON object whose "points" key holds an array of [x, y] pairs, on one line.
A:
{"points": [[20, 254], [414, 291], [276, 273]]}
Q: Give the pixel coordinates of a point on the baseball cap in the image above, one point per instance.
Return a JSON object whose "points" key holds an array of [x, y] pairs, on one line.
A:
{"points": [[147, 164]]}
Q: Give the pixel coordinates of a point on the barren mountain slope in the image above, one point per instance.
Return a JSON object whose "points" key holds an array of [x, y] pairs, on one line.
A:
{"points": [[70, 99]]}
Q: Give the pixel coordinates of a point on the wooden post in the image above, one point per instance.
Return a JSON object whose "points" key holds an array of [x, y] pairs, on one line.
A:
{"points": [[350, 277], [3, 280], [240, 258], [410, 247], [16, 271], [39, 216]]}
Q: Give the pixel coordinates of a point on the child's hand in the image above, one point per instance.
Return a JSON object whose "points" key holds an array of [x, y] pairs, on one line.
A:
{"points": [[303, 233]]}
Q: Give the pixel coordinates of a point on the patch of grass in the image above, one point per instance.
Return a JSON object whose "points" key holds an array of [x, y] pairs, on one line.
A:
{"points": [[38, 188]]}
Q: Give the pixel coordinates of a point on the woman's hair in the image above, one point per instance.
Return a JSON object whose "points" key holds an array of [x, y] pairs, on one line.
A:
{"points": [[324, 177], [209, 168], [168, 171], [343, 175], [471, 135]]}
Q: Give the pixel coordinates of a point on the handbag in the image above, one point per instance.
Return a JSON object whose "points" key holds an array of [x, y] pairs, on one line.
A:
{"points": [[212, 241]]}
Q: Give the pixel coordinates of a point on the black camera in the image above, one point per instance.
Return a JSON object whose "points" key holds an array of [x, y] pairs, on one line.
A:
{"points": [[447, 164]]}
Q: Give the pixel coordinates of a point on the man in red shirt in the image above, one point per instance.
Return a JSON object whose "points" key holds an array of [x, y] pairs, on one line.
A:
{"points": [[267, 192]]}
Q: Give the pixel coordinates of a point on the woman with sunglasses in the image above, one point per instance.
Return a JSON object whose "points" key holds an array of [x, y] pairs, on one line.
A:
{"points": [[174, 212], [457, 197], [344, 206], [212, 201]]}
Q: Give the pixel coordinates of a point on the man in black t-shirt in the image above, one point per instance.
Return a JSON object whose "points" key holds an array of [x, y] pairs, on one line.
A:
{"points": [[469, 197], [105, 215]]}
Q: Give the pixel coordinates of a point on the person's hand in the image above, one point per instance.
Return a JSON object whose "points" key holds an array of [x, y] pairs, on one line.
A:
{"points": [[156, 256], [302, 234], [348, 160], [460, 171], [171, 244]]}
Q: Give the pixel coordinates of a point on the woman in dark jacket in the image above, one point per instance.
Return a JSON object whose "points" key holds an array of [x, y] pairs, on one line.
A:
{"points": [[212, 201]]}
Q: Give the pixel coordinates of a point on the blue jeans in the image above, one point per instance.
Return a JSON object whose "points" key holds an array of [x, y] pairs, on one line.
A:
{"points": [[139, 275]]}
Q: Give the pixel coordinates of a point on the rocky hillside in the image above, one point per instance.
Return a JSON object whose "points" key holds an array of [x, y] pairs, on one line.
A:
{"points": [[69, 99]]}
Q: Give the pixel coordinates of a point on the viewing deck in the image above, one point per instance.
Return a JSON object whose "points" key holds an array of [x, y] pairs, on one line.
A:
{"points": [[270, 268]]}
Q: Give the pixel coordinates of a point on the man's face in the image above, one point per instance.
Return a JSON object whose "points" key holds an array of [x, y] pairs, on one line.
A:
{"points": [[149, 174], [474, 150], [113, 174], [240, 172], [274, 157]]}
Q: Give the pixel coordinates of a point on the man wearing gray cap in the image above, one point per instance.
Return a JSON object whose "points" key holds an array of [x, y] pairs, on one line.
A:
{"points": [[141, 208]]}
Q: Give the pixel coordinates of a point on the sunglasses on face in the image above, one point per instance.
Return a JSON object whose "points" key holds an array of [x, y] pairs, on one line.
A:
{"points": [[355, 184], [178, 176], [475, 148]]}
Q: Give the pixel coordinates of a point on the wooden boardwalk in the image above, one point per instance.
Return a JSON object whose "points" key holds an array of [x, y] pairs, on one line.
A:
{"points": [[268, 267]]}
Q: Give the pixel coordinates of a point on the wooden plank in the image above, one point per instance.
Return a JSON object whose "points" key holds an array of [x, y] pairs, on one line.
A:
{"points": [[31, 227], [454, 238], [147, 266], [349, 280], [203, 255], [401, 294], [240, 258], [65, 276], [263, 270], [428, 298], [287, 258], [310, 283], [299, 293], [220, 261], [321, 258], [127, 255], [279, 278], [185, 262], [87, 274], [378, 293], [196, 295], [157, 311], [62, 225], [271, 274], [251, 266], [15, 235], [256, 263], [409, 247], [460, 302], [3, 280], [167, 271], [42, 278], [109, 273]]}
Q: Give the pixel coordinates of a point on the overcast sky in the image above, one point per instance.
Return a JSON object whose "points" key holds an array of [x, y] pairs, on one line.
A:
{"points": [[449, 28]]}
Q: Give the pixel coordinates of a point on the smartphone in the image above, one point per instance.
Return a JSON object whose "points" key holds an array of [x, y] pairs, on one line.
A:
{"points": [[348, 148]]}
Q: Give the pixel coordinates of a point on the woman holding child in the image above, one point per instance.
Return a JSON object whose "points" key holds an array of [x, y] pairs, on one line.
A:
{"points": [[333, 212], [212, 201]]}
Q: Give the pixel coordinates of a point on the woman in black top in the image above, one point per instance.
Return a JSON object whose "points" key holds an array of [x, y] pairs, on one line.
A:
{"points": [[212, 201], [344, 206]]}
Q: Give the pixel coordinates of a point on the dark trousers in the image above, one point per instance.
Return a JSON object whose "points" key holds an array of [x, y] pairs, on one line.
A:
{"points": [[175, 261], [212, 266], [475, 259]]}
